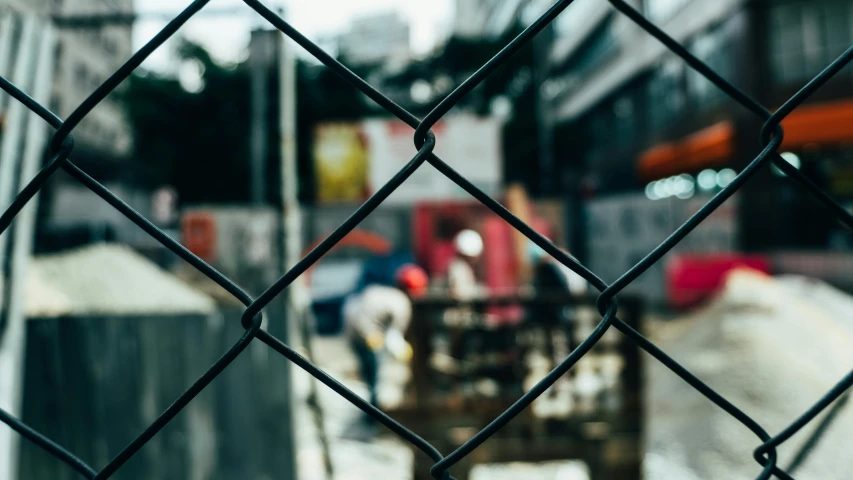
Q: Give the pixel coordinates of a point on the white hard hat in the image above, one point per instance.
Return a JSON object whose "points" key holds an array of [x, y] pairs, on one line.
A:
{"points": [[469, 243]]}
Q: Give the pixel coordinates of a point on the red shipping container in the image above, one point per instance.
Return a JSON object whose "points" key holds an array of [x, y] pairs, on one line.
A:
{"points": [[693, 278]]}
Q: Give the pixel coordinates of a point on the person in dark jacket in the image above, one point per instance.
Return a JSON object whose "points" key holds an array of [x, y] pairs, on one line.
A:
{"points": [[550, 280]]}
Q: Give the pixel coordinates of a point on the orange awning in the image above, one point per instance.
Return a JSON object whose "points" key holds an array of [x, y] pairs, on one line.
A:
{"points": [[824, 124], [710, 147]]}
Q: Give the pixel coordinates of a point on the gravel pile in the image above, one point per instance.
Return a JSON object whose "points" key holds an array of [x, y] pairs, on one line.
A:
{"points": [[106, 279], [772, 348]]}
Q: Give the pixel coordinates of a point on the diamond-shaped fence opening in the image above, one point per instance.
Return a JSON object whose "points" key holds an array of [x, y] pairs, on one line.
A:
{"points": [[770, 136]]}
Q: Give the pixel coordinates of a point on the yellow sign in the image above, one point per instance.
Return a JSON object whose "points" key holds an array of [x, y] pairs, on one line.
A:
{"points": [[340, 162]]}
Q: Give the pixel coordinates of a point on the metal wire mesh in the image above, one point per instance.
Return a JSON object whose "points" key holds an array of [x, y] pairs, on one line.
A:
{"points": [[770, 136]]}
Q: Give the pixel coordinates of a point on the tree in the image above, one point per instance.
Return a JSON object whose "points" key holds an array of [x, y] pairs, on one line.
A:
{"points": [[196, 142], [512, 82]]}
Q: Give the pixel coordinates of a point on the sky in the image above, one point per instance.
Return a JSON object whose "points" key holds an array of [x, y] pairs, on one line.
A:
{"points": [[226, 36]]}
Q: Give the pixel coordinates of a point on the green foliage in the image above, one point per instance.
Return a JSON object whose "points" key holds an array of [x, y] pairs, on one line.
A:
{"points": [[196, 142], [199, 142]]}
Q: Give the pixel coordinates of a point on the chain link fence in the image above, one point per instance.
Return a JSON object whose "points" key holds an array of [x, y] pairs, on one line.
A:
{"points": [[770, 136]]}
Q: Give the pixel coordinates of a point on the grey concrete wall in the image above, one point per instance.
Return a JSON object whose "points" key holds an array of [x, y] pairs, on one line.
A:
{"points": [[94, 383]]}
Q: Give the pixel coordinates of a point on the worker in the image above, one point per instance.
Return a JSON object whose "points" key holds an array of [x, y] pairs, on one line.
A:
{"points": [[381, 268], [549, 278], [376, 319], [461, 279]]}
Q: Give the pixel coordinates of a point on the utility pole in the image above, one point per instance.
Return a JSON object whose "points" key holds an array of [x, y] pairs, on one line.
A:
{"points": [[298, 308], [262, 55], [289, 172], [272, 122]]}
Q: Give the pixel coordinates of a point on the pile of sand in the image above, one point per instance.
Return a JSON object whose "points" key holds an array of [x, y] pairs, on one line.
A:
{"points": [[772, 348], [106, 279]]}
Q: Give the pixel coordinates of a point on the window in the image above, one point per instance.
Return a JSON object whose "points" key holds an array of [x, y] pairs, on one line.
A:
{"points": [[806, 36], [596, 49], [599, 128], [665, 94], [574, 17], [624, 123], [715, 49]]}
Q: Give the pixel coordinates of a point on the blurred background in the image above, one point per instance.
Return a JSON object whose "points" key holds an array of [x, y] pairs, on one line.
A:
{"points": [[246, 149]]}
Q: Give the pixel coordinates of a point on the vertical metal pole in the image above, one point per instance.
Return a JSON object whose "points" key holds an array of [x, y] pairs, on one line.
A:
{"points": [[260, 61], [289, 174], [21, 70], [291, 221], [30, 136], [22, 75]]}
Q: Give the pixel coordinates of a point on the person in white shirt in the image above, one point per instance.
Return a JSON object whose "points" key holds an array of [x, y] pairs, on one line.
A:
{"points": [[461, 280], [376, 319]]}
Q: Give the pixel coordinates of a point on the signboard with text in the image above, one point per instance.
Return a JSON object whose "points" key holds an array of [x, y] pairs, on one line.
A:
{"points": [[353, 160]]}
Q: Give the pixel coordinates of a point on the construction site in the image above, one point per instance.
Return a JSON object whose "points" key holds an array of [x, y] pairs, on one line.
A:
{"points": [[471, 240]]}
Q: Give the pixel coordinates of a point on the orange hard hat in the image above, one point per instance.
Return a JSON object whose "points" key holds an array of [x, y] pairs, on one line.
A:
{"points": [[413, 279]]}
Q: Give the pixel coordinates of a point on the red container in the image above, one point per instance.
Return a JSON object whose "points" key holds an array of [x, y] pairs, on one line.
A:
{"points": [[198, 234], [693, 278]]}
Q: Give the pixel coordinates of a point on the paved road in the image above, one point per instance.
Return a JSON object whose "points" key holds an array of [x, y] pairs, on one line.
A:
{"points": [[386, 458]]}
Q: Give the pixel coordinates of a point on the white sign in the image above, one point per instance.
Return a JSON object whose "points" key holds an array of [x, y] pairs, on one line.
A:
{"points": [[471, 145], [257, 243], [164, 205]]}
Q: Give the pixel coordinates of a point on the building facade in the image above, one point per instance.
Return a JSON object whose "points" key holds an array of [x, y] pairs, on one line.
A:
{"points": [[86, 56], [628, 113], [489, 18], [376, 40], [92, 43], [635, 141]]}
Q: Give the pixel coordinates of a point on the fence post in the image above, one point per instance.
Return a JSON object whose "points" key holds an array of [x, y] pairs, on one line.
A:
{"points": [[261, 58], [294, 309]]}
